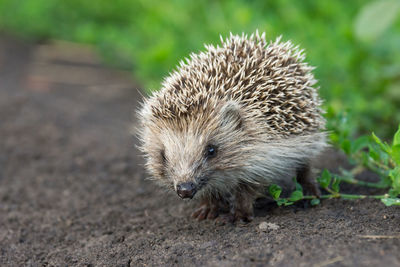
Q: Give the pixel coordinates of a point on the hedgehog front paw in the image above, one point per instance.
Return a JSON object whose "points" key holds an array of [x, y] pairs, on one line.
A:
{"points": [[205, 211]]}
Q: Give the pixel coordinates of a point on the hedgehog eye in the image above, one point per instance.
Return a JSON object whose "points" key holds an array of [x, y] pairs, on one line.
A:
{"points": [[163, 158], [211, 151]]}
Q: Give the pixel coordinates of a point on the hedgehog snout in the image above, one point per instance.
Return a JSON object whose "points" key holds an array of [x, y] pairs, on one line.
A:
{"points": [[186, 190]]}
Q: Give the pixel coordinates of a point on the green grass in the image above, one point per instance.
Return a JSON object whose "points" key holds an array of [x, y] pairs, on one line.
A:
{"points": [[357, 64]]}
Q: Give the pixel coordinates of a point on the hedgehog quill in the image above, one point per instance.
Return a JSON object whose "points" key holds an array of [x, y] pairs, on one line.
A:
{"points": [[232, 120]]}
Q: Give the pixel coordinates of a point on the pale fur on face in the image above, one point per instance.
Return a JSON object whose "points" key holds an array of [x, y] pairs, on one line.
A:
{"points": [[176, 149]]}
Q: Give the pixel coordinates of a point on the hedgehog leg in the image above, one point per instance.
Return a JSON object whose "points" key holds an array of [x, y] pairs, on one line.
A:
{"points": [[240, 208], [244, 210], [208, 209], [307, 181]]}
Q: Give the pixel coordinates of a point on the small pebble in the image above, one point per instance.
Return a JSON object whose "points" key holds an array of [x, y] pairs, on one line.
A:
{"points": [[208, 244], [265, 226]]}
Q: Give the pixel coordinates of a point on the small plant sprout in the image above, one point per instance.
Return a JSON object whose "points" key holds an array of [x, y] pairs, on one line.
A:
{"points": [[365, 153]]}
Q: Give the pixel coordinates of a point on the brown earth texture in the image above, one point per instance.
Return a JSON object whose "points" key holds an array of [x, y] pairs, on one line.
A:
{"points": [[73, 191]]}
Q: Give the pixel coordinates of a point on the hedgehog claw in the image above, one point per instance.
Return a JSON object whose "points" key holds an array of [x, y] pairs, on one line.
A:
{"points": [[205, 211], [212, 215], [201, 213]]}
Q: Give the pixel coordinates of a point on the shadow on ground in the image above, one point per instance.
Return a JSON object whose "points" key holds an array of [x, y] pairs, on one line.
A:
{"points": [[72, 188]]}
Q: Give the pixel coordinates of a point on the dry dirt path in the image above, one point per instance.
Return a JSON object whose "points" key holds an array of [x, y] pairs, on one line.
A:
{"points": [[73, 193]]}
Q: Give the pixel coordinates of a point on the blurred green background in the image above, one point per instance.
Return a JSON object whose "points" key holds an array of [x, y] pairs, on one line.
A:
{"points": [[355, 45]]}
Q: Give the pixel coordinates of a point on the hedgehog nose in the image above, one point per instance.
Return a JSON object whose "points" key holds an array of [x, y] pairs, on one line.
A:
{"points": [[186, 190]]}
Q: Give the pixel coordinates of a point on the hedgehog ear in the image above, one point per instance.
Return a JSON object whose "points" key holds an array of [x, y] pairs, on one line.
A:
{"points": [[230, 115]]}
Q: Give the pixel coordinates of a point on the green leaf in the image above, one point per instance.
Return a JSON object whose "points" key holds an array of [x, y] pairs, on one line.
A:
{"points": [[391, 201], [376, 138], [275, 191], [375, 17], [360, 143], [393, 193], [393, 89], [395, 177], [283, 201], [373, 154], [385, 147], [346, 146], [335, 185], [296, 196], [288, 203], [315, 201], [325, 179], [365, 158], [396, 154], [396, 139], [298, 186]]}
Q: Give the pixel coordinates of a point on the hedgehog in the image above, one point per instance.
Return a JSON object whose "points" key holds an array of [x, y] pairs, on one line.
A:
{"points": [[231, 121]]}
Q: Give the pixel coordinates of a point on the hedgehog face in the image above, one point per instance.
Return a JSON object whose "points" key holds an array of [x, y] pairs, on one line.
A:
{"points": [[198, 154], [188, 162]]}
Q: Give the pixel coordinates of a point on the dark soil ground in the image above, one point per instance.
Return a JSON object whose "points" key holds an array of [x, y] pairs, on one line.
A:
{"points": [[73, 191]]}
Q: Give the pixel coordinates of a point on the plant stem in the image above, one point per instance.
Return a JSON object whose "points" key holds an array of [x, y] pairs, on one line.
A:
{"points": [[374, 166], [346, 196], [357, 170], [362, 183]]}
